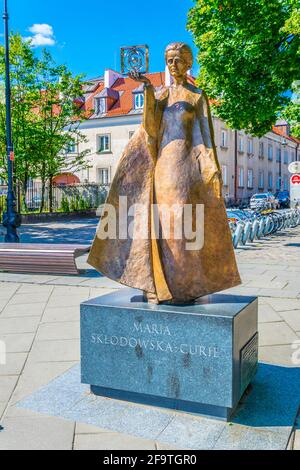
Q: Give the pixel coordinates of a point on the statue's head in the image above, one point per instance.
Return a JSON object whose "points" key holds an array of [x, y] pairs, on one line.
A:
{"points": [[179, 58]]}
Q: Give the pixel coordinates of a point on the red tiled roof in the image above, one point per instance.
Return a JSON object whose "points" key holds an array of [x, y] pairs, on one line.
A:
{"points": [[125, 87], [124, 105], [284, 134]]}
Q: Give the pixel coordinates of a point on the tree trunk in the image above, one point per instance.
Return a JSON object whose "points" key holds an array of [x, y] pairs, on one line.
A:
{"points": [[50, 194], [43, 178], [43, 195], [22, 200]]}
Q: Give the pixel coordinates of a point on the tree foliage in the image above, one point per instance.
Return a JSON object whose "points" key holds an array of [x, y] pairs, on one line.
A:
{"points": [[46, 114], [292, 111], [22, 67], [249, 56]]}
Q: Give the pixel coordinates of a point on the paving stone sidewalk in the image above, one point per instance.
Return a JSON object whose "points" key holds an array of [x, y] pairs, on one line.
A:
{"points": [[39, 323]]}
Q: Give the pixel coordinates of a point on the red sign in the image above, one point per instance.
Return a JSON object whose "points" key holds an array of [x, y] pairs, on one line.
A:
{"points": [[11, 156], [295, 179]]}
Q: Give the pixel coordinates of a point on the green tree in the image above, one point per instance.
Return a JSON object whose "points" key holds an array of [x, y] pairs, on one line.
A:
{"points": [[249, 56], [46, 113], [58, 115], [292, 111], [23, 69]]}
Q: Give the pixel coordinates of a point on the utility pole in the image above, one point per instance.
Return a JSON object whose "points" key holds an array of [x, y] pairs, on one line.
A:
{"points": [[235, 166], [11, 219], [284, 145]]}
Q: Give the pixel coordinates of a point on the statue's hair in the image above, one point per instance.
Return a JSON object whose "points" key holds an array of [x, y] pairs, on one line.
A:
{"points": [[184, 49]]}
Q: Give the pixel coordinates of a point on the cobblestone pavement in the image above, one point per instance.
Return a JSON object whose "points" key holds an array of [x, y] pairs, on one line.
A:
{"points": [[39, 323]]}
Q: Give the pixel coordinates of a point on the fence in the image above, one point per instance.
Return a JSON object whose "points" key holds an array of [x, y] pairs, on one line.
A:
{"points": [[69, 198], [3, 192], [65, 198]]}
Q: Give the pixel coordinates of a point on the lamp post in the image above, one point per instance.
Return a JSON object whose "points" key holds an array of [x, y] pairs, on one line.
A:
{"points": [[11, 220], [235, 166], [284, 144]]}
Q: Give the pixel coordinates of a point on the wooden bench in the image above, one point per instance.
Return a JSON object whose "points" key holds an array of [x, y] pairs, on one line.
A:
{"points": [[40, 258]]}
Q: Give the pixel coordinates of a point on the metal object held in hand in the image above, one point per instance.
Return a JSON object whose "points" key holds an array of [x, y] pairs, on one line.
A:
{"points": [[134, 59]]}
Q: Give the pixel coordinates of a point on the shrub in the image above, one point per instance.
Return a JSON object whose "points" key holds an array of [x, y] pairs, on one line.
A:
{"points": [[73, 204], [65, 207], [82, 203]]}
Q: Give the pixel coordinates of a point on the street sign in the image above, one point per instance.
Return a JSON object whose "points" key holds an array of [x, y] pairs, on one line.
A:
{"points": [[294, 167], [295, 190], [295, 179]]}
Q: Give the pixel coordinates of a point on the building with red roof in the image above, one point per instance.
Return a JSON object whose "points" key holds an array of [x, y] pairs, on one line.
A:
{"points": [[114, 106]]}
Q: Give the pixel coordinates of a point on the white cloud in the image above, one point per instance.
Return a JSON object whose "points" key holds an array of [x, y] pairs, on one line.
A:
{"points": [[43, 29], [40, 40], [43, 35]]}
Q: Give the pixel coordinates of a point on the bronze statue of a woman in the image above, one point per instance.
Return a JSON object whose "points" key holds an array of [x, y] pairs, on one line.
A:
{"points": [[170, 162]]}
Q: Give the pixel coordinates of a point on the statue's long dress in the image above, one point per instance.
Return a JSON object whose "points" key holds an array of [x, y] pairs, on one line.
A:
{"points": [[171, 161]]}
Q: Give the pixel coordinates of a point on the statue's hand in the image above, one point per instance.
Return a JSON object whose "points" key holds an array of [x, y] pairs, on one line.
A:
{"points": [[138, 77]]}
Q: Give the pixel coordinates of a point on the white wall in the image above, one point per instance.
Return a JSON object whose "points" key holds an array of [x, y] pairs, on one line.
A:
{"points": [[119, 128]]}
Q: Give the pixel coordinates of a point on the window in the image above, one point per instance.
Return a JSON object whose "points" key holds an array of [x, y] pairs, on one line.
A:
{"points": [[131, 134], [261, 180], [224, 175], [286, 157], [278, 183], [241, 144], [270, 152], [270, 181], [100, 106], [261, 149], [278, 154], [138, 100], [250, 179], [241, 177], [71, 147], [223, 138], [250, 146], [103, 175], [285, 183], [103, 143]]}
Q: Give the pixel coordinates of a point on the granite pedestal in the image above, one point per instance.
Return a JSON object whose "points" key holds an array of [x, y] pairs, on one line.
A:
{"points": [[198, 358]]}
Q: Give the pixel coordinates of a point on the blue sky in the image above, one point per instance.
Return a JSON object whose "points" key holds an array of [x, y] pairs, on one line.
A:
{"points": [[87, 35]]}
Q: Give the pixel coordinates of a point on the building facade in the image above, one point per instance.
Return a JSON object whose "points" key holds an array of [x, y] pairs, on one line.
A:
{"points": [[114, 107], [260, 164]]}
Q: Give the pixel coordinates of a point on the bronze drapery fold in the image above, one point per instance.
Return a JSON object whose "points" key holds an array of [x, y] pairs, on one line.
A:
{"points": [[170, 160]]}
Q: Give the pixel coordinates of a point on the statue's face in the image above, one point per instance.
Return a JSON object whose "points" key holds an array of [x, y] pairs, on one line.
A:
{"points": [[176, 63]]}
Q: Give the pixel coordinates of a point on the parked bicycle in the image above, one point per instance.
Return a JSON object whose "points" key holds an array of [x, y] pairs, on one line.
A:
{"points": [[248, 225]]}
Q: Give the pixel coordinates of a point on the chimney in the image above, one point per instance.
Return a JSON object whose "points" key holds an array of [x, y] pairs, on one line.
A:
{"points": [[283, 126], [110, 76]]}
